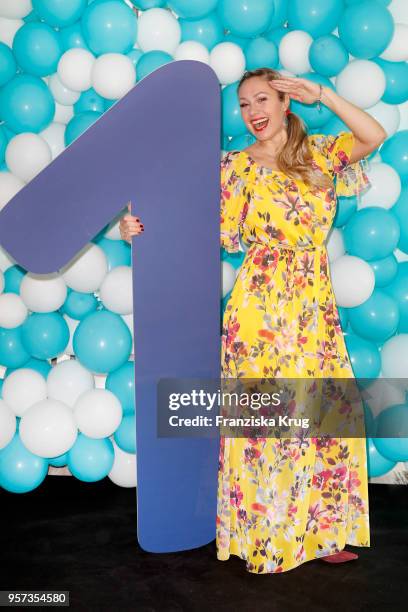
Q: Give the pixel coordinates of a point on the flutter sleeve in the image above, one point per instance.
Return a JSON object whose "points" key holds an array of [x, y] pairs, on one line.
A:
{"points": [[350, 179], [231, 204]]}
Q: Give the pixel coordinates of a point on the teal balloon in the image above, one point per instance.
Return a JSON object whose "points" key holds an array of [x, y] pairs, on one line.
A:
{"points": [[72, 37], [125, 435], [8, 65], [377, 464], [275, 35], [13, 353], [366, 29], [45, 334], [371, 233], [26, 104], [78, 305], [398, 289], [118, 252], [12, 279], [1, 387], [37, 49], [152, 60], [20, 470], [346, 207], [261, 53], [334, 126], [377, 318], [240, 142], [135, 55], [89, 100], [144, 5], [235, 259], [232, 122], [38, 365], [343, 317], [102, 342], [317, 17], [3, 145], [311, 115], [208, 30], [279, 15], [109, 27], [122, 383], [396, 81], [31, 17], [91, 459], [59, 461], [385, 270], [192, 10], [79, 124], [400, 210], [60, 13], [237, 40], [248, 18], [370, 423], [328, 56], [395, 153], [392, 433], [364, 356]]}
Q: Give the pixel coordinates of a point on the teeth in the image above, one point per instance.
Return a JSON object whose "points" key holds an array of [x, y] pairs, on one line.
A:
{"points": [[257, 123]]}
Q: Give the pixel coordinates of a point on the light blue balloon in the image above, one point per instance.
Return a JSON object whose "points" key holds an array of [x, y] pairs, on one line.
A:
{"points": [[385, 270], [346, 207], [72, 37], [45, 335], [12, 279], [208, 31], [8, 65], [192, 10], [125, 435], [37, 49], [396, 81], [118, 252], [377, 464], [60, 13], [109, 27], [248, 18], [20, 470], [31, 17], [261, 53], [395, 153], [392, 433], [371, 233], [89, 100], [102, 342], [38, 365], [275, 35], [280, 14], [334, 126], [135, 55], [370, 423], [343, 317], [144, 5], [366, 29], [1, 387], [235, 259], [317, 17], [79, 124], [232, 122], [398, 289], [237, 40], [78, 305], [311, 115], [3, 144], [328, 56], [400, 210], [13, 353], [240, 142], [364, 356], [122, 383], [152, 60], [59, 461], [91, 459], [377, 318], [26, 104]]}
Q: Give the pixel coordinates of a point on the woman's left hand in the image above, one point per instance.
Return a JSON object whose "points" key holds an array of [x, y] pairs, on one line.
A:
{"points": [[299, 89]]}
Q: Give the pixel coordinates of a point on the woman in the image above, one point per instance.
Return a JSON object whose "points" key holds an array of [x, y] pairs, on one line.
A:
{"points": [[282, 502]]}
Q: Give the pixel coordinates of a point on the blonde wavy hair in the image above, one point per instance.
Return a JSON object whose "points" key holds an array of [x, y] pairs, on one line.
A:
{"points": [[295, 158]]}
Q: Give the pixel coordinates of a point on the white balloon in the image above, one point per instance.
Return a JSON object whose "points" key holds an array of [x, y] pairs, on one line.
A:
{"points": [[68, 380], [72, 325], [26, 155], [113, 75], [116, 291], [400, 255], [394, 359], [388, 115], [43, 292], [86, 270], [124, 469], [54, 135], [10, 185], [22, 389], [294, 51], [399, 11], [61, 93], [381, 394], [353, 280], [192, 50], [100, 380], [228, 277], [48, 428], [397, 50], [98, 413], [6, 261], [8, 424], [159, 30], [13, 311], [63, 114], [8, 29], [15, 9], [113, 231], [335, 244], [385, 186], [75, 69], [228, 62], [361, 82]]}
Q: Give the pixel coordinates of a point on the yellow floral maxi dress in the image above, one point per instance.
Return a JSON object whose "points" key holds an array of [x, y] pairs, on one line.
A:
{"points": [[282, 502]]}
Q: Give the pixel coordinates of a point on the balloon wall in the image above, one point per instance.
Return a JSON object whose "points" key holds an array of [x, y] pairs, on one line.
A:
{"points": [[66, 345]]}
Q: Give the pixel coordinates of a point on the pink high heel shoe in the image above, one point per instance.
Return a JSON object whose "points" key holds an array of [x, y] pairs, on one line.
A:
{"points": [[340, 557]]}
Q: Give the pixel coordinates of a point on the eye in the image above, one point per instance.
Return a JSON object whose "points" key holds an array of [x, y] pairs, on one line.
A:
{"points": [[241, 105], [262, 99]]}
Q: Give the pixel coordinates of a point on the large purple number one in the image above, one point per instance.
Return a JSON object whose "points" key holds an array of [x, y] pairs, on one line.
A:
{"points": [[159, 148]]}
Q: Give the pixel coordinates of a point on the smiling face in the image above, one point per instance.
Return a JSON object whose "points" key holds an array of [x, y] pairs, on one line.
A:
{"points": [[261, 107]]}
